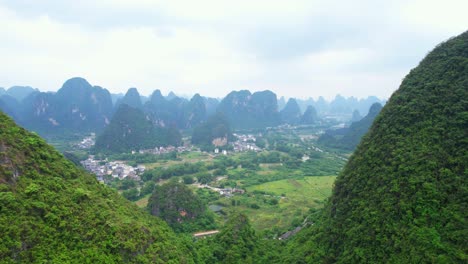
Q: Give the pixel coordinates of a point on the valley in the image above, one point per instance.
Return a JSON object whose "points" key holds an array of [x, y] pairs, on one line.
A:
{"points": [[90, 176], [276, 189]]}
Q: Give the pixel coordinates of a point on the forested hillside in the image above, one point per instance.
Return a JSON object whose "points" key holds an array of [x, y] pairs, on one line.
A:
{"points": [[130, 130], [402, 197], [53, 212]]}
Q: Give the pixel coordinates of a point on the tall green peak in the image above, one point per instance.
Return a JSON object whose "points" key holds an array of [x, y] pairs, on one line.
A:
{"points": [[131, 130], [403, 195], [53, 212]]}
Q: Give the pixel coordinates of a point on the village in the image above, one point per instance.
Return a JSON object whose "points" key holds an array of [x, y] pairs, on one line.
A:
{"points": [[119, 169], [245, 143], [116, 169], [87, 142]]}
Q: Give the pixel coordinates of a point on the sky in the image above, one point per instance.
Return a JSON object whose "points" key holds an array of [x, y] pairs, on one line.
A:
{"points": [[295, 48]]}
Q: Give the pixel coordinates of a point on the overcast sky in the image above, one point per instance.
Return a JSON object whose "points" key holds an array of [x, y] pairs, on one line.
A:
{"points": [[296, 48]]}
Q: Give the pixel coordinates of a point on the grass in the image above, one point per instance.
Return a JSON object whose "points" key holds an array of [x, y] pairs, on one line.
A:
{"points": [[293, 200], [143, 202], [183, 158]]}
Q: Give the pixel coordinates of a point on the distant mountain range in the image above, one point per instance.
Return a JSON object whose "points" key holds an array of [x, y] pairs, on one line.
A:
{"points": [[348, 138], [79, 107]]}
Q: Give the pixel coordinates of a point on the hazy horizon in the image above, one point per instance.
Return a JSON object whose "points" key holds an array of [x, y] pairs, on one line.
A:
{"points": [[297, 49]]}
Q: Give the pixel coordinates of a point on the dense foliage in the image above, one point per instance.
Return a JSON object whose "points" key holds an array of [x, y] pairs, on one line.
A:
{"points": [[51, 211], [130, 130], [403, 196], [176, 204], [215, 127]]}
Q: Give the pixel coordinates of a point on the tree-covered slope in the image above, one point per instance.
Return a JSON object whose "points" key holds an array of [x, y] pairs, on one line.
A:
{"points": [[183, 210], [215, 128], [403, 196], [130, 130], [53, 212]]}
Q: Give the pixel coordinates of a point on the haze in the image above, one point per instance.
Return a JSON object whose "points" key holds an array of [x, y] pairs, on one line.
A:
{"points": [[294, 48]]}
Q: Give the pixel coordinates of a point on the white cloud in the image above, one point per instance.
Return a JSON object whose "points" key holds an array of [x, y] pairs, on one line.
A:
{"points": [[446, 17], [295, 48]]}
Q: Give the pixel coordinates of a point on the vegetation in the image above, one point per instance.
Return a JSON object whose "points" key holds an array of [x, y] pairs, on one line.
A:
{"points": [[52, 211], [402, 196], [351, 136], [216, 127], [176, 204], [130, 130]]}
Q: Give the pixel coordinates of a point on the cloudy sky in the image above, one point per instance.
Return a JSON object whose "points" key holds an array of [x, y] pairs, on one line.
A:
{"points": [[296, 48]]}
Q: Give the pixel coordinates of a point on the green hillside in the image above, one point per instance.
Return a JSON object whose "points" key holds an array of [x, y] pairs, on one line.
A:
{"points": [[402, 197], [130, 130], [53, 212]]}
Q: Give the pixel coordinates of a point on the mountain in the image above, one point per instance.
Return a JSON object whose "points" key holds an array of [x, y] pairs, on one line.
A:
{"points": [[10, 106], [281, 103], [116, 97], [51, 211], [291, 113], [215, 131], [159, 109], [349, 138], [211, 104], [310, 116], [130, 130], [171, 96], [245, 110], [20, 92], [402, 196], [358, 129], [304, 103], [2, 91], [176, 204], [356, 116], [131, 98], [195, 112], [38, 113], [78, 106]]}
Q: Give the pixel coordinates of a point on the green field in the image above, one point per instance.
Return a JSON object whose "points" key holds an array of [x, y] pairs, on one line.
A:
{"points": [[295, 197]]}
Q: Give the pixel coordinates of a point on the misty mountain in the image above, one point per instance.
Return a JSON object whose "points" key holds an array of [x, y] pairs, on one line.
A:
{"points": [[291, 113], [130, 129], [245, 110], [309, 117], [131, 98], [20, 92], [349, 138], [356, 116]]}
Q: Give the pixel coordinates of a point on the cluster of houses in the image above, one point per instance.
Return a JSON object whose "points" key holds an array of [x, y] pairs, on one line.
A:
{"points": [[242, 144], [245, 143], [164, 150], [87, 142], [116, 169], [228, 191]]}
